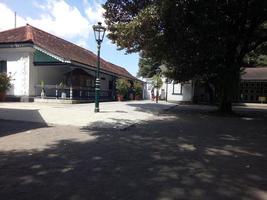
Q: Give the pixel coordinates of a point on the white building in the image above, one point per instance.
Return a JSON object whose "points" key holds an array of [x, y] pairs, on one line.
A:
{"points": [[252, 89], [171, 91], [33, 56]]}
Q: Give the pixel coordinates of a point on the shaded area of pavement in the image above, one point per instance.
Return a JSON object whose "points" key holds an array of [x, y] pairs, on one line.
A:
{"points": [[190, 154], [8, 127]]}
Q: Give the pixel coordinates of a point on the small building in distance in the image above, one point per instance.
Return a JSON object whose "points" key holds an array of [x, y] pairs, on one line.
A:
{"points": [[253, 85], [252, 89]]}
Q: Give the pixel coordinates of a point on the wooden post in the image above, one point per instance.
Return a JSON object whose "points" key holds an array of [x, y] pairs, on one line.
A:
{"points": [[56, 92], [70, 92]]}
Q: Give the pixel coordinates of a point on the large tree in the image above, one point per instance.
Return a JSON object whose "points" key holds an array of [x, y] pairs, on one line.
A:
{"points": [[196, 39], [147, 66]]}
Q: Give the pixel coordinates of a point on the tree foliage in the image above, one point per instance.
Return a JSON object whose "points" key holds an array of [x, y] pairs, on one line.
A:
{"points": [[200, 39], [147, 66], [157, 81], [122, 86], [138, 88]]}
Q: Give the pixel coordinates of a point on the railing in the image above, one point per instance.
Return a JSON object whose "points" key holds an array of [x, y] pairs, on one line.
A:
{"points": [[76, 93]]}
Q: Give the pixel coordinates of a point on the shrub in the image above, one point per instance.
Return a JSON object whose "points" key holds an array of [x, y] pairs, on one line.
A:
{"points": [[138, 87], [122, 86], [157, 81], [5, 82]]}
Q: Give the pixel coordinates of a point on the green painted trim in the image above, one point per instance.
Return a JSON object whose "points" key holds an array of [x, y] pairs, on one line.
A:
{"points": [[51, 54], [41, 57], [78, 64]]}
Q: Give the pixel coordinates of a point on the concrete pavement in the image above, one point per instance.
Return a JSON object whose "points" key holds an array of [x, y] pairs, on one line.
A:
{"points": [[115, 114], [191, 154]]}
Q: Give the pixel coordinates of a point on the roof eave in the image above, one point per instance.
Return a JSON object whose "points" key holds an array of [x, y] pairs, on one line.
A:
{"points": [[17, 44], [101, 70]]}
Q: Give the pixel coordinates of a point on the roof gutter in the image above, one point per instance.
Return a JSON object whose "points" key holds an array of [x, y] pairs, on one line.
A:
{"points": [[16, 45]]}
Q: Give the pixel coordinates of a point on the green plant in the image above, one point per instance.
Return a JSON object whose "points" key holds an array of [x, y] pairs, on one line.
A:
{"points": [[157, 81], [5, 82], [138, 87], [122, 86]]}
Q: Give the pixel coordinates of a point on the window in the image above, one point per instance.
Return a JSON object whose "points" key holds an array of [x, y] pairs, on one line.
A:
{"points": [[177, 88], [3, 68]]}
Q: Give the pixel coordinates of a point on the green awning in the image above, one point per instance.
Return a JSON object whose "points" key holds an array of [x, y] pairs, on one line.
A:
{"points": [[40, 56]]}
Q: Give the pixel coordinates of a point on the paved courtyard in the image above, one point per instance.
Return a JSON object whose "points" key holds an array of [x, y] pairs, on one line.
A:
{"points": [[187, 152], [117, 114]]}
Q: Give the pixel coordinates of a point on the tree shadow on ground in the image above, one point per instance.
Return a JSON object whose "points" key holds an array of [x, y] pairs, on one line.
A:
{"points": [[13, 127], [195, 156], [150, 107]]}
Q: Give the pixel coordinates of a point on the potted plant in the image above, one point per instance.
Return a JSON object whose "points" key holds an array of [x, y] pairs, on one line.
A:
{"points": [[5, 84], [43, 89], [138, 88], [122, 87]]}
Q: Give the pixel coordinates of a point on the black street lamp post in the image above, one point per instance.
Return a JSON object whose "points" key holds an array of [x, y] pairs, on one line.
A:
{"points": [[99, 32]]}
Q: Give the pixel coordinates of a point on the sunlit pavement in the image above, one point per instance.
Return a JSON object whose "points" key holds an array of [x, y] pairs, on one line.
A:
{"points": [[187, 153], [116, 113]]}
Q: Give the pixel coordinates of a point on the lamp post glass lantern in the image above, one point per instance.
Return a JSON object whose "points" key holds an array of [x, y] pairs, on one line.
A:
{"points": [[99, 32]]}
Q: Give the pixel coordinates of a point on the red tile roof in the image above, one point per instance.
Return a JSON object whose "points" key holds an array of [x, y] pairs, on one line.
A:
{"points": [[256, 73], [58, 47]]}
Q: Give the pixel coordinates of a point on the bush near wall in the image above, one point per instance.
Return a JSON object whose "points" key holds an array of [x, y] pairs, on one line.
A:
{"points": [[122, 87], [5, 82]]}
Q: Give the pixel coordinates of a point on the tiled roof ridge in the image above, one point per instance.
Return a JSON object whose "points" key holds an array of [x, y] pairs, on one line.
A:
{"points": [[33, 27], [29, 33]]}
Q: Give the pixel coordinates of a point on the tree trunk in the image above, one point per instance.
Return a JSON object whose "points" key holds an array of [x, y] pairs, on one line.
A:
{"points": [[225, 105], [228, 87]]}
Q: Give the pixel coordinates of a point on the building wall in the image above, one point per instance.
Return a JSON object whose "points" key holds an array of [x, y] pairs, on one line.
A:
{"points": [[18, 62], [104, 81], [26, 75], [175, 92], [252, 91]]}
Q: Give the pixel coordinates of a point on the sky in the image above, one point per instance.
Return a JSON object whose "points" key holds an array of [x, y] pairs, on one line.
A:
{"points": [[68, 19]]}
